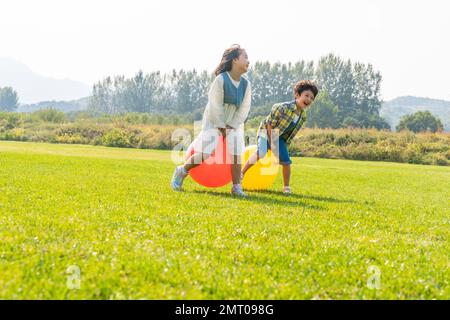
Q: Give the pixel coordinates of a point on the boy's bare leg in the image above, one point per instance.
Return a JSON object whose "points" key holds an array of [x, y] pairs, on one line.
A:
{"points": [[286, 174], [250, 162]]}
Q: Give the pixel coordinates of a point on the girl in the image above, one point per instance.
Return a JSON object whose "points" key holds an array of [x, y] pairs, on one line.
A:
{"points": [[228, 105]]}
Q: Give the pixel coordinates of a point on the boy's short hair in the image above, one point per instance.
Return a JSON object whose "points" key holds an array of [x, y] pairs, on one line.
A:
{"points": [[304, 85]]}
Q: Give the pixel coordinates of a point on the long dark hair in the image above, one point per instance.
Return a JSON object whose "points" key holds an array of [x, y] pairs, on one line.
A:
{"points": [[226, 63]]}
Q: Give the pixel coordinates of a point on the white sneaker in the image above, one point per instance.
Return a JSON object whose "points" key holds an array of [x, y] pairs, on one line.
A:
{"points": [[237, 191], [287, 190], [178, 176]]}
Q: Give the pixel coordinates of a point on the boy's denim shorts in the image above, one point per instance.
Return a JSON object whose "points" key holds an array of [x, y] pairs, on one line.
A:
{"points": [[282, 153]]}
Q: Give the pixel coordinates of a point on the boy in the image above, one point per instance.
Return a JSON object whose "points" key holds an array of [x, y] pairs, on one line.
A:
{"points": [[278, 129]]}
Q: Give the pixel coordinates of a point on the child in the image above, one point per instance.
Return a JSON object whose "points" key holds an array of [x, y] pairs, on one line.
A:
{"points": [[281, 125], [228, 106]]}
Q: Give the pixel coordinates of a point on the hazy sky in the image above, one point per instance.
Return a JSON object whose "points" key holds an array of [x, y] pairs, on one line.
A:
{"points": [[86, 40]]}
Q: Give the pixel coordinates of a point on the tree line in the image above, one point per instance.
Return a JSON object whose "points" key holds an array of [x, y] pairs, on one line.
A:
{"points": [[349, 92]]}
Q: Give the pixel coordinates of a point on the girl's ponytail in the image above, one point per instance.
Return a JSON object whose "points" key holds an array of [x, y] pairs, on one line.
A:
{"points": [[226, 63]]}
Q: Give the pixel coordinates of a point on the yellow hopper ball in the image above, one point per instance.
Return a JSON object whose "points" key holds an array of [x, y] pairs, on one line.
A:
{"points": [[261, 175]]}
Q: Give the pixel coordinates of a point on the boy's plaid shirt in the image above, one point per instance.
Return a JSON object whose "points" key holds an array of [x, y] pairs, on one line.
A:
{"points": [[281, 115]]}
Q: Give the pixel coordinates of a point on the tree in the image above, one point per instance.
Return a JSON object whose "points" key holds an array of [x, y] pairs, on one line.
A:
{"points": [[260, 79], [354, 87], [101, 100], [366, 88], [350, 122], [275, 83], [323, 113], [420, 121], [9, 100], [140, 92], [336, 77], [363, 119], [375, 121], [190, 90]]}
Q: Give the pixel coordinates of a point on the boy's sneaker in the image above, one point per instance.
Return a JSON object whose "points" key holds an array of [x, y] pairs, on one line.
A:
{"points": [[287, 190], [178, 176], [237, 191]]}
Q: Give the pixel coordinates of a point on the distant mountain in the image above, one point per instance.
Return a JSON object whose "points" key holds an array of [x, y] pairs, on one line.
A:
{"points": [[33, 87], [65, 106], [394, 109]]}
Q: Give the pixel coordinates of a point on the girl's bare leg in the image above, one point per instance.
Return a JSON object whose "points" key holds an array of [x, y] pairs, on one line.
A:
{"points": [[236, 170], [195, 160]]}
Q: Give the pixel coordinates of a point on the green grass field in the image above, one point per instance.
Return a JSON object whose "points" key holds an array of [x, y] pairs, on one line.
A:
{"points": [[351, 230]]}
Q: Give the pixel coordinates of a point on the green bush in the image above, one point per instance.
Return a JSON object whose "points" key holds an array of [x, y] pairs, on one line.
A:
{"points": [[141, 131], [117, 138], [375, 145], [10, 120], [50, 115], [420, 121]]}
